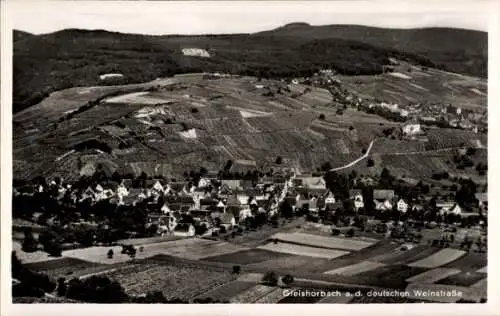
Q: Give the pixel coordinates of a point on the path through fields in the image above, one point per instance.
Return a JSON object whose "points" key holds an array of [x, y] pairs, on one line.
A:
{"points": [[357, 160]]}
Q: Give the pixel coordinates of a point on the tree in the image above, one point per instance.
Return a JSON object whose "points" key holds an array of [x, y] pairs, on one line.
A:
{"points": [[279, 160], [29, 243], [287, 279], [110, 254], [236, 269], [322, 117], [61, 287], [270, 278], [370, 163], [350, 233]]}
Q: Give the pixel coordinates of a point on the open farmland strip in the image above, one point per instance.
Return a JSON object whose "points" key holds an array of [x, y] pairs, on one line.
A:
{"points": [[469, 262], [439, 258], [252, 294], [228, 290], [271, 298], [483, 283], [357, 268], [247, 256], [398, 256], [483, 270], [392, 276], [463, 279], [303, 250], [293, 263], [321, 242], [434, 275]]}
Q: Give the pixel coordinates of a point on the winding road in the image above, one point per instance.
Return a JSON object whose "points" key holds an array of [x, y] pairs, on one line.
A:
{"points": [[357, 160]]}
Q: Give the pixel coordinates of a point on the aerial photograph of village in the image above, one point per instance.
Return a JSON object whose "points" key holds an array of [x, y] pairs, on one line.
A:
{"points": [[309, 162]]}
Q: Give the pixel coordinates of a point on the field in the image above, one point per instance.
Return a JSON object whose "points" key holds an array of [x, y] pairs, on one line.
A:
{"points": [[463, 279], [175, 281], [357, 268], [248, 256], [184, 248], [253, 294], [321, 242], [418, 291], [433, 276], [303, 250], [439, 258], [231, 121], [63, 267]]}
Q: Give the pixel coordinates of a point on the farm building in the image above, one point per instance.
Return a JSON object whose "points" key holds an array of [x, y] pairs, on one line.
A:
{"points": [[111, 76], [383, 195], [198, 52], [184, 230]]}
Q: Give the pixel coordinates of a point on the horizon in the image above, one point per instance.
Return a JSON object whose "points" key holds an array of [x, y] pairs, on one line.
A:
{"points": [[189, 18], [242, 33]]}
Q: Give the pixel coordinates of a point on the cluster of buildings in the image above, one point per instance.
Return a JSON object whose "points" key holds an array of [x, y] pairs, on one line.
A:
{"points": [[217, 203]]}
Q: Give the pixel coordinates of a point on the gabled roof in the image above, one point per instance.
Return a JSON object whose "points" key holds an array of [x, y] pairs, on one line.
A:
{"points": [[226, 218], [182, 227], [354, 192], [383, 194], [482, 197], [183, 199]]}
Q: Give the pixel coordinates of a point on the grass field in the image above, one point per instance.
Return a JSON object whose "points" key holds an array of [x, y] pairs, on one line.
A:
{"points": [[226, 291], [433, 276], [398, 256], [322, 242], [439, 258], [248, 256], [63, 267], [303, 250], [253, 294], [357, 268], [469, 262], [416, 291], [463, 279]]}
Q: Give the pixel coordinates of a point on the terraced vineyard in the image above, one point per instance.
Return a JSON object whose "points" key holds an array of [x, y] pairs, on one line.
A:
{"points": [[228, 119]]}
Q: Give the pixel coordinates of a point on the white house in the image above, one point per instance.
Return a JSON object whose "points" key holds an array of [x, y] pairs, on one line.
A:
{"points": [[383, 206], [195, 52], [410, 129], [402, 206], [111, 76], [245, 213], [203, 183], [357, 197]]}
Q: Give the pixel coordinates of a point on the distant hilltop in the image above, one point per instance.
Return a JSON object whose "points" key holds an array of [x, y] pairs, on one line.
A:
{"points": [[293, 50]]}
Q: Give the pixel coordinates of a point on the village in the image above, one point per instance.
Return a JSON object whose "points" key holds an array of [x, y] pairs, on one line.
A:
{"points": [[211, 205]]}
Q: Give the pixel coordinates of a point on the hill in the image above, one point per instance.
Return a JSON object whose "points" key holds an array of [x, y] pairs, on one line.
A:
{"points": [[69, 58], [176, 125], [457, 50], [20, 35]]}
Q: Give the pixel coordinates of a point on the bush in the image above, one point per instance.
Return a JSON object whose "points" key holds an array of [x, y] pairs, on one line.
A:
{"points": [[110, 254], [61, 287], [270, 278], [335, 232], [287, 279], [236, 269], [194, 110], [370, 163], [350, 233], [322, 117]]}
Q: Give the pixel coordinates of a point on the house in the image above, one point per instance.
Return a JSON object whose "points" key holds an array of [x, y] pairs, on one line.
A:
{"points": [[180, 203], [231, 184], [383, 199], [411, 129], [330, 198], [357, 197], [402, 206], [448, 207], [184, 230], [244, 213], [313, 204], [314, 183], [227, 220], [204, 182]]}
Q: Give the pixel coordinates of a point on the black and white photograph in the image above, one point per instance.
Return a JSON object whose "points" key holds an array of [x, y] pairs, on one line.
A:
{"points": [[247, 152]]}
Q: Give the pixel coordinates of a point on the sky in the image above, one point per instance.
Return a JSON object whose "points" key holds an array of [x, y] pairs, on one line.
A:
{"points": [[207, 17]]}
